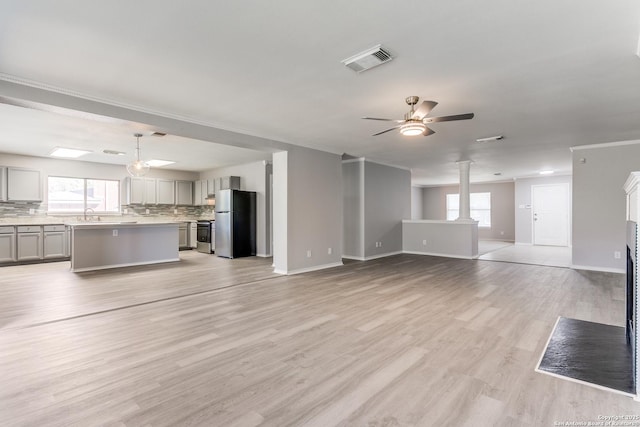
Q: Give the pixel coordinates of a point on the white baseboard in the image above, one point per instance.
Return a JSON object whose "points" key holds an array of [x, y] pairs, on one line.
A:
{"points": [[440, 255], [263, 255], [523, 244], [602, 269], [369, 258], [128, 264], [309, 269]]}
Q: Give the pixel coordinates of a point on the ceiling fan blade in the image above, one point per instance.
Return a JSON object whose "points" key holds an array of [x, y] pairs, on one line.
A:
{"points": [[424, 109], [384, 120], [448, 118], [428, 132], [385, 131]]}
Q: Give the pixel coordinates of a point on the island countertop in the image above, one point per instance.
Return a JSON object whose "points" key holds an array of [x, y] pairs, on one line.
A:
{"points": [[101, 245]]}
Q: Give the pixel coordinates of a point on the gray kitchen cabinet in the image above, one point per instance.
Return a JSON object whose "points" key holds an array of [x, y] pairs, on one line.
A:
{"points": [[197, 193], [193, 235], [7, 244], [3, 184], [54, 241], [29, 242], [183, 235], [229, 183], [184, 193], [166, 192], [24, 185], [141, 191]]}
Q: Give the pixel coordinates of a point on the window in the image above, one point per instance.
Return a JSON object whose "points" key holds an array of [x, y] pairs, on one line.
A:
{"points": [[73, 195], [480, 207]]}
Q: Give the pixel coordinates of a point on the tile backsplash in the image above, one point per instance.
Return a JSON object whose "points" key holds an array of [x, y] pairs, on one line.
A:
{"points": [[23, 212]]}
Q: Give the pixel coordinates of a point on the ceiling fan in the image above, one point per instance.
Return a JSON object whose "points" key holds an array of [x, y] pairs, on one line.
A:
{"points": [[415, 122]]}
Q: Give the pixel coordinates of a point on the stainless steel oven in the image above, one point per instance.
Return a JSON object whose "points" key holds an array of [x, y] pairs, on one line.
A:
{"points": [[205, 234]]}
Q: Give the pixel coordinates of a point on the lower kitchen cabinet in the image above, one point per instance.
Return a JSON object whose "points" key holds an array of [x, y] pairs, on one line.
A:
{"points": [[54, 241], [29, 242], [7, 244], [183, 235]]}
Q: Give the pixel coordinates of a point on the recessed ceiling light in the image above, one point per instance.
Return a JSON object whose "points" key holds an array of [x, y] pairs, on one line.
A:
{"points": [[159, 163], [547, 172], [69, 153]]}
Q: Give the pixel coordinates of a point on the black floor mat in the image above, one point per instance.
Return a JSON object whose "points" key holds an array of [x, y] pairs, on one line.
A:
{"points": [[590, 352]]}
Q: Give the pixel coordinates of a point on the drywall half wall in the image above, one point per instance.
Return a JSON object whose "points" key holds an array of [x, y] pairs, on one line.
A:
{"points": [[599, 204], [307, 210], [253, 177], [376, 199], [434, 207], [523, 213]]}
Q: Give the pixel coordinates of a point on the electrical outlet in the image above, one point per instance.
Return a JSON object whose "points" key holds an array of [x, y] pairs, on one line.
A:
{"points": [[329, 251], [502, 233], [424, 243], [146, 211], [32, 211], [175, 211], [125, 211], [115, 233], [309, 253], [617, 255]]}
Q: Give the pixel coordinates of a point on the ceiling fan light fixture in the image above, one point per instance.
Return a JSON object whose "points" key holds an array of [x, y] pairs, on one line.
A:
{"points": [[413, 129], [138, 167]]}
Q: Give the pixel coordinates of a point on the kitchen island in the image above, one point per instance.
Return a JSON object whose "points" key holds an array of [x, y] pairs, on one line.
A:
{"points": [[102, 245]]}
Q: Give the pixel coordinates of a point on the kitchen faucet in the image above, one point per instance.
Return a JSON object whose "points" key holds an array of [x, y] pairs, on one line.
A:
{"points": [[85, 213]]}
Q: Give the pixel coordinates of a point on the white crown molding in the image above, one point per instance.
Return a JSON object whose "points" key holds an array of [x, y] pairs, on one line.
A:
{"points": [[604, 145]]}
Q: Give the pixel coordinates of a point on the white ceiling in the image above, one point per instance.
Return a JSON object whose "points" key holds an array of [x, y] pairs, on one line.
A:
{"points": [[547, 75]]}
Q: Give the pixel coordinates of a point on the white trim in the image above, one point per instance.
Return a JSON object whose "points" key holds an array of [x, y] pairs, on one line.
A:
{"points": [[602, 269], [261, 255], [440, 255], [562, 377], [538, 176], [369, 258], [604, 145], [129, 264], [440, 221], [523, 244], [309, 269]]}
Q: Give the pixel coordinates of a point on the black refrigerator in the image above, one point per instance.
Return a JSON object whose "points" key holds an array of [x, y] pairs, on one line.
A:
{"points": [[235, 223]]}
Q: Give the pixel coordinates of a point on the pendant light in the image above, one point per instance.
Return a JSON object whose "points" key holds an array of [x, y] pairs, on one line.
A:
{"points": [[138, 167]]}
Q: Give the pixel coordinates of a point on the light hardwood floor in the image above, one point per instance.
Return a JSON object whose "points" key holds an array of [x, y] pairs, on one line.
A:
{"points": [[402, 341]]}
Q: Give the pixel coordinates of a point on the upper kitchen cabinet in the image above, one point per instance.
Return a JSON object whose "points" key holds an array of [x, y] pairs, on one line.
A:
{"points": [[229, 183], [23, 185], [166, 192], [184, 192], [3, 184], [141, 191]]}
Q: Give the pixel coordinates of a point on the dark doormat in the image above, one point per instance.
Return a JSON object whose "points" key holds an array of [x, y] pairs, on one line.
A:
{"points": [[591, 353]]}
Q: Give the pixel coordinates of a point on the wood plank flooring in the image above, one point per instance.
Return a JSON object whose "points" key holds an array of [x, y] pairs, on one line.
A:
{"points": [[402, 341]]}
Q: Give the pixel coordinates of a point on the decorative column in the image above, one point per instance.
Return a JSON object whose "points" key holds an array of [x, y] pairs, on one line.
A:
{"points": [[464, 203]]}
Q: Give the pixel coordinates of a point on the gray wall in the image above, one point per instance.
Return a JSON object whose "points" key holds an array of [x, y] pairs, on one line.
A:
{"points": [[387, 198], [599, 205], [253, 177], [523, 217], [434, 206], [376, 200], [353, 207], [416, 203], [307, 208]]}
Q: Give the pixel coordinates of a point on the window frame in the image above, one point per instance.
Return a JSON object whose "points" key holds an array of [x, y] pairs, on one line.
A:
{"points": [[456, 211], [85, 196]]}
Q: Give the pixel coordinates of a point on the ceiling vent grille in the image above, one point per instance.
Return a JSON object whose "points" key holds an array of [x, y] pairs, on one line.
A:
{"points": [[368, 59]]}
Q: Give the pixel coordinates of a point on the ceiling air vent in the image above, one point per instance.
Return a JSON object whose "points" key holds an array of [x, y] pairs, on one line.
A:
{"points": [[368, 59], [158, 134]]}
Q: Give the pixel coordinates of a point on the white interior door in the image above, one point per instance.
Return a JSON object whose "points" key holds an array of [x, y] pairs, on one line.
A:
{"points": [[550, 207]]}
